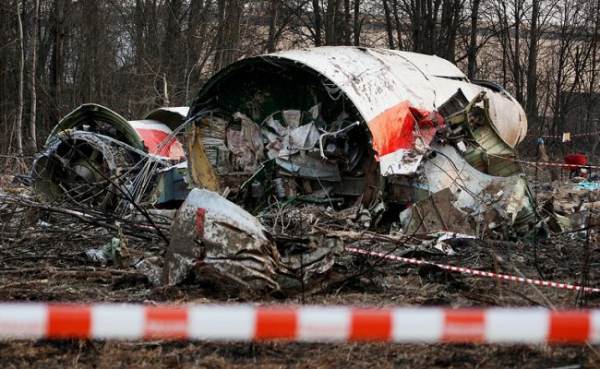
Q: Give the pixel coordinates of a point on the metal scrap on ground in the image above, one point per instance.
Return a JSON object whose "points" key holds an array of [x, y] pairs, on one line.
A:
{"points": [[298, 154]]}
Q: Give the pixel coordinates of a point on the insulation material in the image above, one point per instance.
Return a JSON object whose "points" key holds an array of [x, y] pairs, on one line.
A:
{"points": [[245, 144]]}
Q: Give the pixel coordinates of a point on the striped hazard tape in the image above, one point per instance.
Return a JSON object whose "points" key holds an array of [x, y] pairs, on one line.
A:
{"points": [[452, 268], [562, 165], [316, 323], [547, 164], [571, 135]]}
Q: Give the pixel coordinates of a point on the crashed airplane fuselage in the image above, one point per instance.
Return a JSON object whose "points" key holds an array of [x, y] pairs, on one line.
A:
{"points": [[347, 127], [342, 125]]}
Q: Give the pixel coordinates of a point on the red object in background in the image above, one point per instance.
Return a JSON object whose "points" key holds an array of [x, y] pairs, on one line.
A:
{"points": [[575, 159]]}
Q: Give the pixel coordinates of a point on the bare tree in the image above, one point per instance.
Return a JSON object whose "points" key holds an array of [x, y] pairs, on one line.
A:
{"points": [[331, 19], [318, 23], [433, 25], [473, 44], [230, 12], [388, 24], [275, 7], [357, 23], [532, 105], [33, 87], [21, 102]]}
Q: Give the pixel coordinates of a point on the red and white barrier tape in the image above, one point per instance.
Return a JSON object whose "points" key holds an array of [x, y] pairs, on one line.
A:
{"points": [[562, 165], [249, 323], [573, 135], [456, 269], [547, 164]]}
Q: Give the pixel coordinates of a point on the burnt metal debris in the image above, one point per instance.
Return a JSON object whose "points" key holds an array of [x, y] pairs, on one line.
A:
{"points": [[95, 156], [296, 154]]}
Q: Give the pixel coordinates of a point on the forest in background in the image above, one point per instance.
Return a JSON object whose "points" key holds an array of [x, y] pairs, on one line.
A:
{"points": [[135, 55]]}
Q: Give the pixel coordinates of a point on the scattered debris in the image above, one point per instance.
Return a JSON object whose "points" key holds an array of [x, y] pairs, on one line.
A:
{"points": [[296, 155]]}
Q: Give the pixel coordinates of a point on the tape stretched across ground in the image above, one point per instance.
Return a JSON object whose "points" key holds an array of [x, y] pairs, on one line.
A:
{"points": [[480, 273], [565, 166], [316, 323]]}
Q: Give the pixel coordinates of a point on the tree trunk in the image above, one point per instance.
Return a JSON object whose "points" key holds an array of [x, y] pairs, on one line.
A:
{"points": [[171, 52], [517, 52], [271, 42], [229, 28], [356, 23], [472, 52], [19, 119], [138, 32], [398, 25], [34, 47], [56, 61], [318, 23], [591, 99], [388, 24], [531, 105], [331, 22], [347, 23]]}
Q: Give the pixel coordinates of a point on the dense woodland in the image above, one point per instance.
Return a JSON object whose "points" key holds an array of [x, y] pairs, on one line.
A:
{"points": [[135, 55]]}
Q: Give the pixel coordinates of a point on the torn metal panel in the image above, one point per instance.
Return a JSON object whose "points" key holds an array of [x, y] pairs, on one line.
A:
{"points": [[97, 118], [143, 134], [289, 155], [173, 185], [211, 230], [474, 133], [81, 166], [245, 143], [223, 241], [503, 200], [507, 115], [437, 213], [308, 262], [309, 166], [202, 170], [401, 136]]}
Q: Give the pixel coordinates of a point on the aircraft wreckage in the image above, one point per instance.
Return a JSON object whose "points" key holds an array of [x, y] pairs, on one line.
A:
{"points": [[279, 142]]}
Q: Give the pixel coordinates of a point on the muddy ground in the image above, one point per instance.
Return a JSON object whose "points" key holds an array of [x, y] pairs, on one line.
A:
{"points": [[43, 261]]}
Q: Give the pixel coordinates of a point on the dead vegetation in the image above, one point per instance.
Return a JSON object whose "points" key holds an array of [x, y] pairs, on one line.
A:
{"points": [[43, 258]]}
